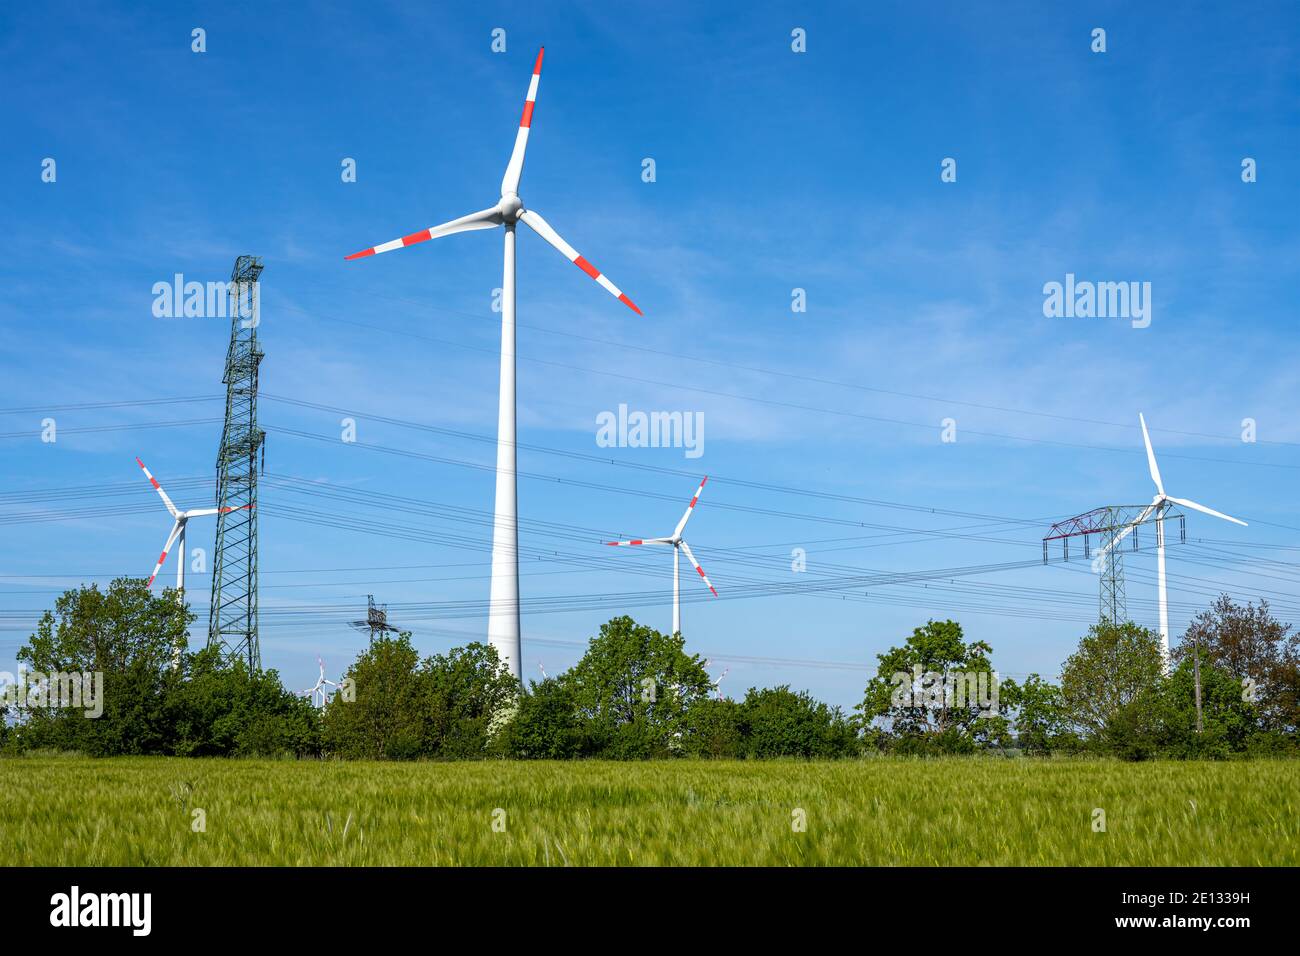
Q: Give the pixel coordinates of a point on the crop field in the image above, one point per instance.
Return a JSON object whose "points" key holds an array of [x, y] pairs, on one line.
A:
{"points": [[159, 811]]}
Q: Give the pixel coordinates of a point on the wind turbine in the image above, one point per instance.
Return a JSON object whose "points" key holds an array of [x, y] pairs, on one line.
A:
{"points": [[178, 534], [717, 684], [503, 614], [178, 529], [678, 544], [318, 692], [1159, 505]]}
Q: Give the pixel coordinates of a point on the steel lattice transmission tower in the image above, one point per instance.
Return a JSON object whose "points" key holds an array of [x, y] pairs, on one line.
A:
{"points": [[1110, 524], [1113, 600], [232, 620], [376, 621]]}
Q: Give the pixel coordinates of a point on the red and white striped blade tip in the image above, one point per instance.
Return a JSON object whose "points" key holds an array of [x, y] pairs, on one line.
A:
{"points": [[707, 582], [535, 221], [698, 491], [596, 274], [416, 237]]}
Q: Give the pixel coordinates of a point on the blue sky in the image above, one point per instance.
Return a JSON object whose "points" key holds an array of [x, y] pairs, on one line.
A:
{"points": [[775, 170]]}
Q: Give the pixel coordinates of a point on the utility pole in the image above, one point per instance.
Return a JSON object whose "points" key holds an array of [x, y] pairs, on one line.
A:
{"points": [[1196, 669], [232, 620]]}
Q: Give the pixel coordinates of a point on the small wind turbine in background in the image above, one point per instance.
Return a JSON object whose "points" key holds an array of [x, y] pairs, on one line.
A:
{"points": [[318, 693], [678, 544], [717, 684], [1160, 504]]}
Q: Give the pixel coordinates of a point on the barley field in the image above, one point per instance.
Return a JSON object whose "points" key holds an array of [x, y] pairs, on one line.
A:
{"points": [[58, 810]]}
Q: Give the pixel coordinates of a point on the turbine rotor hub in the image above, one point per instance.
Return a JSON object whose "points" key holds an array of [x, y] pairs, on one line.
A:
{"points": [[510, 206]]}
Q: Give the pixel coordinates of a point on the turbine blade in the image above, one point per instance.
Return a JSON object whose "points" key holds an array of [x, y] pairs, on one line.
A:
{"points": [[515, 168], [200, 512], [1209, 511], [158, 488], [1151, 456], [484, 219], [690, 557], [162, 558], [543, 229], [639, 541], [686, 515]]}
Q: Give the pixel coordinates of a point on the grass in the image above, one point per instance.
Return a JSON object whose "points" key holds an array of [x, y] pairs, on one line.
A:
{"points": [[61, 811]]}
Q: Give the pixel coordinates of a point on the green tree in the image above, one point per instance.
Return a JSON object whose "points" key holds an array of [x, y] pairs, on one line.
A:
{"points": [[714, 729], [779, 722], [1111, 687], [1042, 723], [463, 690], [1257, 649], [128, 635], [545, 726], [388, 716], [1229, 720], [224, 710], [928, 693], [633, 688]]}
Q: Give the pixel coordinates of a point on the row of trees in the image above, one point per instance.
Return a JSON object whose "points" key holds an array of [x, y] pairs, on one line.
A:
{"points": [[637, 693], [1233, 688]]}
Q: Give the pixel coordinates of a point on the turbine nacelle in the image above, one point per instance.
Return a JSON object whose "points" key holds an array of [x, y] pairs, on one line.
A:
{"points": [[510, 206]]}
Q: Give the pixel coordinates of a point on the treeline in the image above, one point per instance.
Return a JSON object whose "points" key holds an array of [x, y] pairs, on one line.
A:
{"points": [[636, 694]]}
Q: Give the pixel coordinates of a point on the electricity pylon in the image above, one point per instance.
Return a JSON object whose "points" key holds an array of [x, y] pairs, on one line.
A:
{"points": [[232, 619], [1109, 523]]}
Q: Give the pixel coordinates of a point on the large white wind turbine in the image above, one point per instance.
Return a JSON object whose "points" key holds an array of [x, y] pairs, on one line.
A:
{"points": [[178, 529], [503, 614], [1159, 505], [678, 544]]}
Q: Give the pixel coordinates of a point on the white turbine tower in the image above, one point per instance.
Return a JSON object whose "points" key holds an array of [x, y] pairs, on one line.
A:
{"points": [[678, 544], [503, 613], [1159, 505]]}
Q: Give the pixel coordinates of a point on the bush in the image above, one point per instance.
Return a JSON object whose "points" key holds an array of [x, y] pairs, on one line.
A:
{"points": [[714, 729], [778, 722], [545, 726], [224, 710]]}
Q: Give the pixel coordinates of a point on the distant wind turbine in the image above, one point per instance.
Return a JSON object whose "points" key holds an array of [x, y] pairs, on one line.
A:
{"points": [[678, 543], [318, 692]]}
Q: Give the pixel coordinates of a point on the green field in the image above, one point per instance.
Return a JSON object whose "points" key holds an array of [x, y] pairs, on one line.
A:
{"points": [[76, 811]]}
